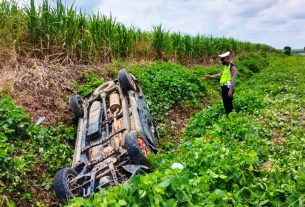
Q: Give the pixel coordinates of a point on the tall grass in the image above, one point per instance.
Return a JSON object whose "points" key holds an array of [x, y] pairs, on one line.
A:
{"points": [[58, 28]]}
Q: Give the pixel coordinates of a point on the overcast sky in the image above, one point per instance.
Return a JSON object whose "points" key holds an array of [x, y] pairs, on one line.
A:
{"points": [[274, 22]]}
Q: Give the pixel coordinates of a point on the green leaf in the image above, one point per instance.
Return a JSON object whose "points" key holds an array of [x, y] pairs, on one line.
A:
{"points": [[222, 176], [10, 203], [263, 202], [122, 203], [252, 154]]}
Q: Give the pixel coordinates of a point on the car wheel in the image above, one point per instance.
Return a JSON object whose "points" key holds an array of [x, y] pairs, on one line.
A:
{"points": [[76, 106], [126, 81], [137, 148], [63, 189]]}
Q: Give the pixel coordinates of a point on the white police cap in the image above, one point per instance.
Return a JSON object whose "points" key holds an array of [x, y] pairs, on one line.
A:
{"points": [[224, 54]]}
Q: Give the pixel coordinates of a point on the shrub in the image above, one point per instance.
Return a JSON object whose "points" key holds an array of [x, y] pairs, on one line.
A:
{"points": [[253, 62], [287, 50]]}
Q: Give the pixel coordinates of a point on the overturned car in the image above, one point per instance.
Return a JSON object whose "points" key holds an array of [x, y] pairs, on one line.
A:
{"points": [[114, 136]]}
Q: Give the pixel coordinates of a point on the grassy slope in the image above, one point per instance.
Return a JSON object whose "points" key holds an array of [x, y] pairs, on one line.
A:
{"points": [[253, 157]]}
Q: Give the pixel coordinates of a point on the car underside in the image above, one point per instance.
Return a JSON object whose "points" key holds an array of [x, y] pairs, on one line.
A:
{"points": [[115, 134]]}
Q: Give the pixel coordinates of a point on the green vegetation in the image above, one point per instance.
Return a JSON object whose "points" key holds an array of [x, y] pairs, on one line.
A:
{"points": [[252, 157], [90, 82], [60, 32], [29, 154], [253, 62], [166, 85]]}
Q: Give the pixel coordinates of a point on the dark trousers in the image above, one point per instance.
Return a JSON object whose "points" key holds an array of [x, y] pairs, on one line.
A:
{"points": [[227, 101]]}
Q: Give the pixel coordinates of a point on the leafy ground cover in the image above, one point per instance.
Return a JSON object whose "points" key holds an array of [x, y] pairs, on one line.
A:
{"points": [[253, 157], [29, 156], [166, 85]]}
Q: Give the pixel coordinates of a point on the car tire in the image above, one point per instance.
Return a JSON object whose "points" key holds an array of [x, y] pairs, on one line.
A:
{"points": [[126, 81], [61, 187], [147, 122], [138, 154], [76, 106], [149, 125]]}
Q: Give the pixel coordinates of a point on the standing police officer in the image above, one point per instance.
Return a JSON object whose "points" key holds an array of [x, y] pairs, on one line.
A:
{"points": [[227, 80]]}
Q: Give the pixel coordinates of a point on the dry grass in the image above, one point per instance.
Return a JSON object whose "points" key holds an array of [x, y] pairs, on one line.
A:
{"points": [[42, 87]]}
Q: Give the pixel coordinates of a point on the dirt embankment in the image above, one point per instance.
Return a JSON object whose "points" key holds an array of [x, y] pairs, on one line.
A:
{"points": [[42, 87]]}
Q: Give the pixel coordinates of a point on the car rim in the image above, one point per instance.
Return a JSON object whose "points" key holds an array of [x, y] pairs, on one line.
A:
{"points": [[73, 187], [142, 146]]}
